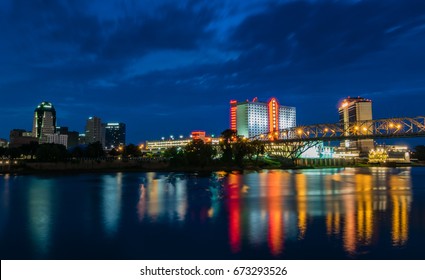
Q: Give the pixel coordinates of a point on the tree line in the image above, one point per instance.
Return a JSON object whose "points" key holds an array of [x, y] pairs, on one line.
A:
{"points": [[233, 150], [55, 152]]}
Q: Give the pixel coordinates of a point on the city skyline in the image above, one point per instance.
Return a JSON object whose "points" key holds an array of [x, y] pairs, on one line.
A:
{"points": [[170, 68]]}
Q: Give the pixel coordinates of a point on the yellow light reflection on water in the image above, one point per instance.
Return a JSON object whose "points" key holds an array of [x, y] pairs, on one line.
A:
{"points": [[364, 201], [400, 188], [301, 190]]}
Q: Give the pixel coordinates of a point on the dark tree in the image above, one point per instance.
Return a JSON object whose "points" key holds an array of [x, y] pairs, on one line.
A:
{"points": [[420, 152], [199, 153], [241, 149], [95, 150], [78, 152], [51, 153], [114, 152], [4, 152], [228, 136], [30, 149], [132, 150], [176, 156]]}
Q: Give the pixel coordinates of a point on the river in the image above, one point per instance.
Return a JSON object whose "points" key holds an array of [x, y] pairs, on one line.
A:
{"points": [[342, 213]]}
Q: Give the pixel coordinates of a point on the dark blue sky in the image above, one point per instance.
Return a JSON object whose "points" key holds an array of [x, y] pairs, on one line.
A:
{"points": [[169, 67]]}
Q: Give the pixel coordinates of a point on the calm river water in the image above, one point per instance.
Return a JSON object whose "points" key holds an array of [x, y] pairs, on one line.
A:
{"points": [[351, 213]]}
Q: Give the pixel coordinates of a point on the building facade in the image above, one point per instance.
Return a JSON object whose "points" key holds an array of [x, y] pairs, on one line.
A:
{"points": [[55, 138], [19, 137], [114, 135], [252, 118], [44, 121], [356, 109], [3, 143], [163, 144], [95, 131]]}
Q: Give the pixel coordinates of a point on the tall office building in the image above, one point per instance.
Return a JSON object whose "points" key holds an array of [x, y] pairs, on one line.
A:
{"points": [[72, 136], [95, 131], [356, 109], [252, 118], [114, 135], [44, 120]]}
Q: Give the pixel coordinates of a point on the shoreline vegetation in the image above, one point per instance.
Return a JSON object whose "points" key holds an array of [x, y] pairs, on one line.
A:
{"points": [[97, 166], [233, 153]]}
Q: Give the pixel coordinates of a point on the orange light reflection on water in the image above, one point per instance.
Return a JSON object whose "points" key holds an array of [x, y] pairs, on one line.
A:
{"points": [[275, 205]]}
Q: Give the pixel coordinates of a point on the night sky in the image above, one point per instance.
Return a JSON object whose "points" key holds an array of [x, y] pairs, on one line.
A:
{"points": [[170, 67]]}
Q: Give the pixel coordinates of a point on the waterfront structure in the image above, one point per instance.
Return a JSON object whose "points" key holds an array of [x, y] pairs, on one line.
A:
{"points": [[3, 143], [356, 109], [198, 135], [81, 139], [19, 137], [72, 136], [158, 145], [252, 118], [385, 154], [318, 151], [44, 121], [55, 138], [95, 131], [114, 135]]}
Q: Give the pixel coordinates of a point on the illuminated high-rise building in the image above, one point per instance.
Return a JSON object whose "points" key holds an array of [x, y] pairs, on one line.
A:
{"points": [[95, 131], [356, 109], [252, 118], [44, 120], [114, 135]]}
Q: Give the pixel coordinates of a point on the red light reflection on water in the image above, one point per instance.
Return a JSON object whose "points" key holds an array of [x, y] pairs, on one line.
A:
{"points": [[234, 212]]}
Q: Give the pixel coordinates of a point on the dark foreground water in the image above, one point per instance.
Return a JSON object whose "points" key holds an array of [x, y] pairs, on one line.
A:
{"points": [[354, 213]]}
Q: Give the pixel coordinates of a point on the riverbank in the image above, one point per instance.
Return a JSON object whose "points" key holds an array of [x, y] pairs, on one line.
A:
{"points": [[93, 166]]}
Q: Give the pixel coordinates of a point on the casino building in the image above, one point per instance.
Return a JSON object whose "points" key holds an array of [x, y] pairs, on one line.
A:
{"points": [[252, 118]]}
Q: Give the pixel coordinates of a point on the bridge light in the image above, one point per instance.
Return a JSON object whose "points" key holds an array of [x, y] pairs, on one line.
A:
{"points": [[300, 131], [262, 136], [391, 125], [364, 129], [399, 126], [356, 128], [326, 130]]}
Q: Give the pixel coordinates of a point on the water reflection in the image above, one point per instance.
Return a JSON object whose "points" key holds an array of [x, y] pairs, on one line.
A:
{"points": [[267, 214], [349, 202], [111, 202], [41, 213], [162, 197], [234, 185], [4, 200]]}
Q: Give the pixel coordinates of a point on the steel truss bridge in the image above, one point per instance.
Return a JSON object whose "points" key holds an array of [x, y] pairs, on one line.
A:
{"points": [[292, 142]]}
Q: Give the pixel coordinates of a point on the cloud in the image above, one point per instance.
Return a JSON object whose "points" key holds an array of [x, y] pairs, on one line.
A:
{"points": [[124, 60]]}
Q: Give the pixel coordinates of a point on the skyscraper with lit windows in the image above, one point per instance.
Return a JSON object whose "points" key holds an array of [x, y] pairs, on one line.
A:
{"points": [[44, 121], [356, 109], [94, 131], [114, 135], [252, 118]]}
